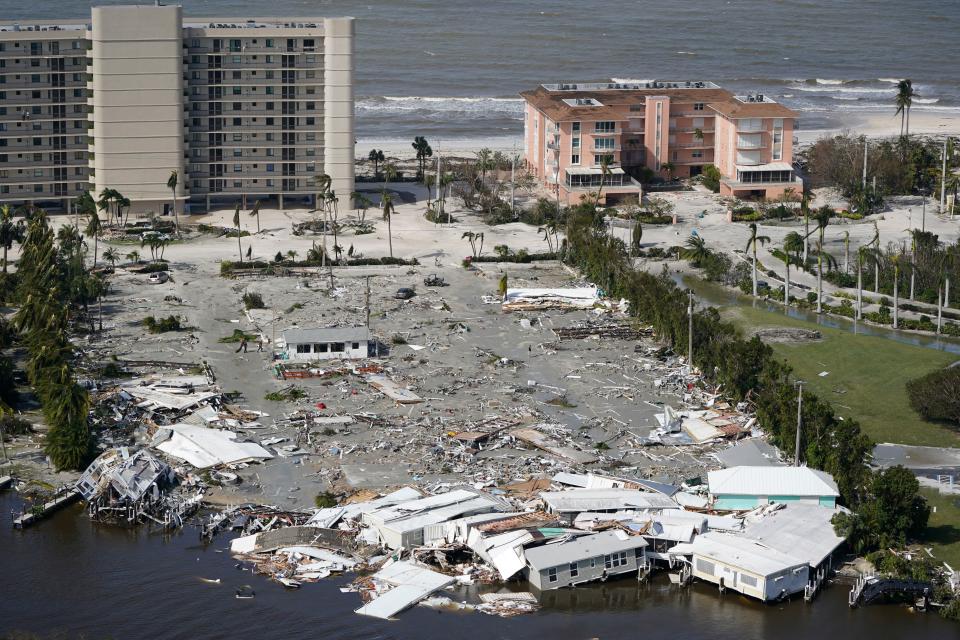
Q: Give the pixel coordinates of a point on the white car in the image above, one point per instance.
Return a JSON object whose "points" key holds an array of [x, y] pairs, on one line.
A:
{"points": [[159, 277]]}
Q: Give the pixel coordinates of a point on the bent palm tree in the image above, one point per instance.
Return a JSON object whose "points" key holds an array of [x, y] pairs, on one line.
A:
{"points": [[823, 219], [10, 232], [752, 244], [236, 223], [255, 212], [376, 157], [695, 250], [422, 147], [111, 256], [93, 229]]}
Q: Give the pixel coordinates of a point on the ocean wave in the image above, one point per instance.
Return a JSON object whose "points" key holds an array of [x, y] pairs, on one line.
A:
{"points": [[830, 82], [845, 97], [893, 80], [926, 100], [442, 99], [838, 89], [435, 108]]}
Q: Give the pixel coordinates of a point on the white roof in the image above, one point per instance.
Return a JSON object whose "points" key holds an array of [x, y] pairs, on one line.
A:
{"points": [[803, 531], [581, 548], [770, 166], [298, 335], [578, 500], [737, 551], [771, 481], [441, 514], [203, 447], [593, 171], [411, 584]]}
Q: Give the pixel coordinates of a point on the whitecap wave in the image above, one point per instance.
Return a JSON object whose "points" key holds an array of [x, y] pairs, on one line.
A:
{"points": [[893, 80], [837, 89], [926, 100], [830, 82]]}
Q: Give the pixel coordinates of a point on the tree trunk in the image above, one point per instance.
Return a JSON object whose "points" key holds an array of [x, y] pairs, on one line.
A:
{"points": [[176, 216], [239, 246], [100, 312], [939, 309], [820, 282], [754, 269], [896, 299], [4, 258], [946, 292], [390, 233], [912, 280], [95, 237], [876, 278], [786, 286], [859, 291]]}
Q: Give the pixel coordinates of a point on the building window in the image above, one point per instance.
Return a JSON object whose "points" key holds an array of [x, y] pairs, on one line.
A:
{"points": [[750, 581], [604, 144], [237, 168], [38, 188], [575, 158], [574, 570], [697, 153], [337, 347], [269, 182], [598, 158], [237, 122], [303, 348], [552, 574], [354, 345], [236, 91], [269, 91], [237, 106], [576, 127], [237, 153], [237, 184], [269, 43], [604, 126], [270, 167], [698, 106], [615, 560], [310, 106], [237, 137], [311, 59]]}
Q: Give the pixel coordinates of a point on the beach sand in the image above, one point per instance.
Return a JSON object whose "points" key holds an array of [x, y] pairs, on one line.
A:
{"points": [[873, 124]]}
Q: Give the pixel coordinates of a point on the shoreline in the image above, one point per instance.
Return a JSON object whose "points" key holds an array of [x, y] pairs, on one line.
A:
{"points": [[873, 123]]}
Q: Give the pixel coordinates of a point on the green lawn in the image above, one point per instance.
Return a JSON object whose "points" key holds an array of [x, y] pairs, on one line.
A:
{"points": [[867, 376], [943, 530]]}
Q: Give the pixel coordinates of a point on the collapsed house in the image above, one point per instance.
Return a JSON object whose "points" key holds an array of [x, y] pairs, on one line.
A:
{"points": [[203, 447], [132, 487], [567, 504]]}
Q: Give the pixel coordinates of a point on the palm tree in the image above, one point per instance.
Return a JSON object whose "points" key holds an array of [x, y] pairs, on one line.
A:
{"points": [[547, 237], [255, 212], [904, 100], [133, 256], [805, 210], [484, 164], [111, 256], [389, 174], [698, 134], [863, 254], [604, 172], [10, 232], [474, 239], [669, 168], [106, 202], [93, 229], [823, 219], [792, 247], [752, 244], [422, 147], [376, 157], [84, 205], [172, 185], [696, 250], [388, 210], [236, 223]]}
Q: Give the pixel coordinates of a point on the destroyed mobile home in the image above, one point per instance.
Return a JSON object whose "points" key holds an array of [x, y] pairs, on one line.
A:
{"points": [[493, 434], [421, 547]]}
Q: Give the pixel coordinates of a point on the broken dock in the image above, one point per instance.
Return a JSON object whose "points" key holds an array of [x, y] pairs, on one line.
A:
{"points": [[39, 512]]}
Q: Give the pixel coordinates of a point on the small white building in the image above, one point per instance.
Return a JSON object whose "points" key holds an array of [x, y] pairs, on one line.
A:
{"points": [[325, 343], [745, 488], [583, 559], [567, 504]]}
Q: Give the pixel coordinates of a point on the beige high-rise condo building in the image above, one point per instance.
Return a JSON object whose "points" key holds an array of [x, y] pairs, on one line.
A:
{"points": [[242, 109]]}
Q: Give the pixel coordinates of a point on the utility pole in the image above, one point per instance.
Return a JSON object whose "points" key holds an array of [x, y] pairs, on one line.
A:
{"points": [[690, 330], [513, 169], [796, 455], [865, 143], [366, 302], [943, 178], [436, 204], [923, 216]]}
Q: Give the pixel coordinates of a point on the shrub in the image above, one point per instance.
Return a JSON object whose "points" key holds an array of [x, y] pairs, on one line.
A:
{"points": [[936, 396], [237, 336], [11, 425], [325, 500], [253, 301], [163, 325], [710, 178]]}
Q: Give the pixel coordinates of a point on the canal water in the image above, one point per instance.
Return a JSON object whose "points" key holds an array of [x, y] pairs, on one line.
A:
{"points": [[68, 578], [715, 295]]}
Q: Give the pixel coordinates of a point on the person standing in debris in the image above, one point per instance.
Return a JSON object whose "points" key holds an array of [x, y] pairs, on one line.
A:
{"points": [[243, 345], [260, 345]]}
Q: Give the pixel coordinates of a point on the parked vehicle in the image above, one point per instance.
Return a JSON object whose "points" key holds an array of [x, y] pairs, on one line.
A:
{"points": [[433, 280], [159, 277], [404, 293]]}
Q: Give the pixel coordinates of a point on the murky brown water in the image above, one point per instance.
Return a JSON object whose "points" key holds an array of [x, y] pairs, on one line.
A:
{"points": [[67, 575]]}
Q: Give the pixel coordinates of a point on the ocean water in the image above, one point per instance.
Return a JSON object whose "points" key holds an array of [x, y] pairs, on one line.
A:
{"points": [[451, 69]]}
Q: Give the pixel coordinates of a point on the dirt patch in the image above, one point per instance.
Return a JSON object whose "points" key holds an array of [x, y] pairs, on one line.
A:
{"points": [[781, 335]]}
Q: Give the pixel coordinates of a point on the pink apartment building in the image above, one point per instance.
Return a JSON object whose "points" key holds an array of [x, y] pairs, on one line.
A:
{"points": [[569, 129]]}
